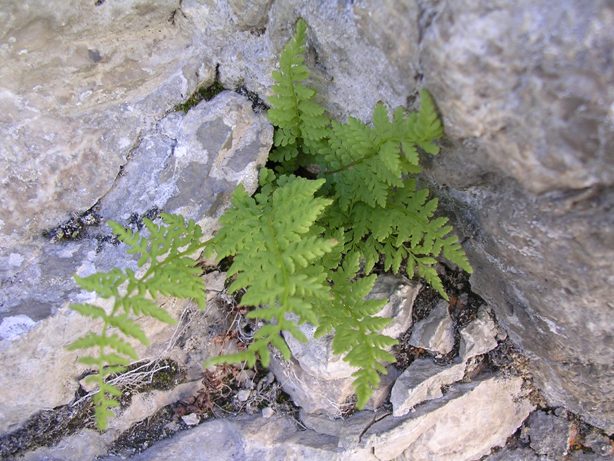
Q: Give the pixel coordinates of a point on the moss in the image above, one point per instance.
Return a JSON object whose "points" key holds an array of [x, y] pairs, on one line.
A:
{"points": [[204, 93]]}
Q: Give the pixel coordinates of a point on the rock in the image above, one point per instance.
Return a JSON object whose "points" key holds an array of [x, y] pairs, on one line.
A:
{"points": [[527, 105], [599, 443], [465, 424], [518, 454], [548, 434], [331, 397], [479, 337], [436, 332], [88, 444], [243, 395], [319, 380], [191, 420], [249, 438], [423, 380], [81, 84], [401, 296], [187, 164], [525, 91], [347, 430], [267, 412]]}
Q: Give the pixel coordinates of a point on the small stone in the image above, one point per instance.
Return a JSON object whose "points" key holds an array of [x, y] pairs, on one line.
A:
{"points": [[436, 332], [267, 412], [243, 395], [191, 420], [548, 434], [422, 381], [479, 337], [599, 443]]}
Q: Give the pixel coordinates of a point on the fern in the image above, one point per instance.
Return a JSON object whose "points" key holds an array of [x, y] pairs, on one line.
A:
{"points": [[300, 248], [170, 271], [276, 259], [302, 125], [356, 328]]}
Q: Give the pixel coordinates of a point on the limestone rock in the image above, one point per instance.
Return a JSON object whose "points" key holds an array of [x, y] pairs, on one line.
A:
{"points": [[465, 424], [319, 380], [423, 380], [526, 94], [436, 332], [479, 337], [186, 163], [313, 394], [548, 434], [525, 89], [347, 430], [275, 438]]}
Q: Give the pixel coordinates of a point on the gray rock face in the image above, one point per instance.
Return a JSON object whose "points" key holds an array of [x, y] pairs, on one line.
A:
{"points": [[525, 88], [548, 434], [83, 81], [275, 438], [526, 92], [188, 164], [436, 332]]}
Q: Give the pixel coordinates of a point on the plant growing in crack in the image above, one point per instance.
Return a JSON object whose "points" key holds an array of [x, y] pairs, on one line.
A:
{"points": [[303, 249]]}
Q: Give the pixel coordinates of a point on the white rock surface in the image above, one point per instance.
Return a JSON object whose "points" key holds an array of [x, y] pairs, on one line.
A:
{"points": [[436, 332], [423, 380], [463, 425], [480, 336]]}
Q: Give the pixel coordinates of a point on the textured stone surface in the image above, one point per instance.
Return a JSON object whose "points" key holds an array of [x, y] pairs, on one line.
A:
{"points": [[453, 427], [548, 434], [423, 380], [479, 337], [82, 82], [319, 380], [526, 92], [186, 163], [275, 438], [436, 332]]}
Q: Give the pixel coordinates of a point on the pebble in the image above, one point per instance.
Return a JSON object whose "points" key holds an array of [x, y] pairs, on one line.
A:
{"points": [[191, 420], [267, 412], [243, 395]]}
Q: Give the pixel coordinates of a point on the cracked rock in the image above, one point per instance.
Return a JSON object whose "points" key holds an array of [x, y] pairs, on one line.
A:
{"points": [[436, 332], [423, 380], [188, 164], [548, 434], [465, 424], [479, 337]]}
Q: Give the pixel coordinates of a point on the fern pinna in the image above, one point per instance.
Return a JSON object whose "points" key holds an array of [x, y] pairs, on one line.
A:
{"points": [[369, 204], [168, 270]]}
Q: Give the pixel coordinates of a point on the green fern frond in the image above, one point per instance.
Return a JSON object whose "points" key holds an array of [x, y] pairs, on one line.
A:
{"points": [[351, 317], [278, 264], [301, 123], [166, 250]]}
